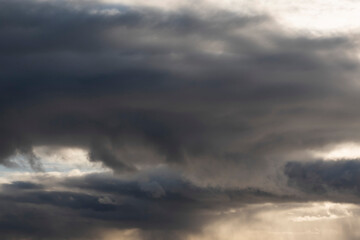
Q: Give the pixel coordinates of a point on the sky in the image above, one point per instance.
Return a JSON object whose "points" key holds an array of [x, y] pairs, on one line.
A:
{"points": [[182, 120]]}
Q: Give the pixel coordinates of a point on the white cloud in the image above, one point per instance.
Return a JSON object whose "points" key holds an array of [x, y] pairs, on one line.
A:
{"points": [[349, 150]]}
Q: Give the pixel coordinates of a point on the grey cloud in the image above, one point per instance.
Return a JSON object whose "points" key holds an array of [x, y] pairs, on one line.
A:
{"points": [[103, 202], [334, 180], [222, 98], [19, 185], [189, 87], [153, 188]]}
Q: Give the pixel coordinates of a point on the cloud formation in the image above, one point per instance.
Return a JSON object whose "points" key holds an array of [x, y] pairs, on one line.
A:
{"points": [[326, 178], [162, 205], [227, 105]]}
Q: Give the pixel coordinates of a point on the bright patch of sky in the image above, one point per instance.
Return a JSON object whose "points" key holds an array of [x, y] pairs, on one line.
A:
{"points": [[297, 221], [343, 151], [52, 160], [317, 17]]}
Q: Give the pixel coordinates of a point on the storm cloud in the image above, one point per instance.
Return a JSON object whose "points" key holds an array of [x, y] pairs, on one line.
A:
{"points": [[228, 106], [162, 204], [325, 178]]}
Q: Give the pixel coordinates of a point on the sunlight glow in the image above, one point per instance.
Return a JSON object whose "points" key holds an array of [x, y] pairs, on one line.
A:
{"points": [[296, 221], [339, 152], [316, 16]]}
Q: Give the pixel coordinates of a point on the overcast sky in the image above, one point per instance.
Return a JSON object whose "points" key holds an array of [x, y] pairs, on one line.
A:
{"points": [[183, 120]]}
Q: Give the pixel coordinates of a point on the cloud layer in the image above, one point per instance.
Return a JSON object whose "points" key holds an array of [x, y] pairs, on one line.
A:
{"points": [[226, 105]]}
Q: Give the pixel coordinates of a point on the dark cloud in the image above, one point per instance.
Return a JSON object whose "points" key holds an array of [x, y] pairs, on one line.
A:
{"points": [[223, 98], [21, 185], [187, 86], [104, 202], [334, 180]]}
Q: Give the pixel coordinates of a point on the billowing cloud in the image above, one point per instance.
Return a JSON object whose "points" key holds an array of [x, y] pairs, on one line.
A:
{"points": [[231, 107], [160, 203], [337, 179]]}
